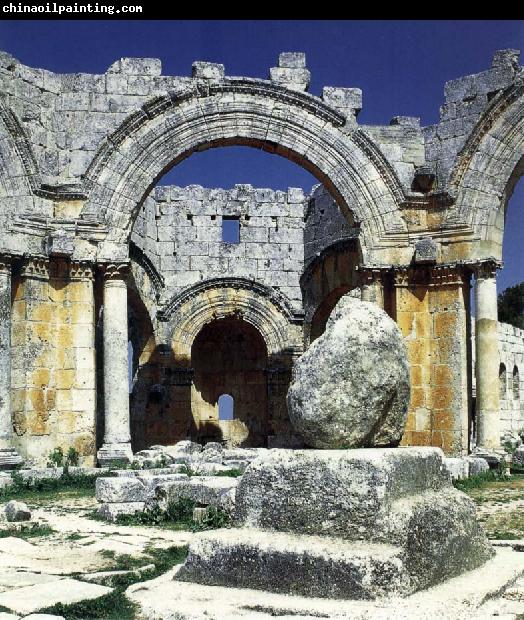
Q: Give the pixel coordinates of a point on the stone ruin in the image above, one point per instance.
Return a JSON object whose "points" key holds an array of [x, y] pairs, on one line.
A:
{"points": [[408, 217], [346, 523]]}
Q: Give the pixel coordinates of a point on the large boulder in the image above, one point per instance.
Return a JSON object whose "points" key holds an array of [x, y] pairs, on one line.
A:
{"points": [[351, 388]]}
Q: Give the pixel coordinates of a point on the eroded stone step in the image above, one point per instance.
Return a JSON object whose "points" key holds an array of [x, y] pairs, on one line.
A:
{"points": [[304, 565]]}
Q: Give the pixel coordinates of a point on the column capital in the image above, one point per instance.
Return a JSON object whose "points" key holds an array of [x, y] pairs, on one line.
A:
{"points": [[81, 270], [35, 267], [114, 271], [487, 268]]}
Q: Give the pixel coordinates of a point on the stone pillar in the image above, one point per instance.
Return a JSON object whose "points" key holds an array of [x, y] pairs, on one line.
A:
{"points": [[8, 455], [372, 285], [487, 358], [117, 434]]}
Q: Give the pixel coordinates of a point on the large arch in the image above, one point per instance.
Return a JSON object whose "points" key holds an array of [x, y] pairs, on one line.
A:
{"points": [[488, 168], [295, 125], [18, 169]]}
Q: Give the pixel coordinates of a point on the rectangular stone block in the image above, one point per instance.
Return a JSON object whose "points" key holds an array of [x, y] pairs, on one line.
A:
{"points": [[118, 490]]}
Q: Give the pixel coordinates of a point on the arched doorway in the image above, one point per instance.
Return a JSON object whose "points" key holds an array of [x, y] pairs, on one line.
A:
{"points": [[229, 358]]}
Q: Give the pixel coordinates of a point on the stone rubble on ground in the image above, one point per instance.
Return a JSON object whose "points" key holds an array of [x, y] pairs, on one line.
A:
{"points": [[17, 511]]}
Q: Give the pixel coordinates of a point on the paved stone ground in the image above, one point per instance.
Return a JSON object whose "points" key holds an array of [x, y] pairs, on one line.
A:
{"points": [[30, 571], [44, 570]]}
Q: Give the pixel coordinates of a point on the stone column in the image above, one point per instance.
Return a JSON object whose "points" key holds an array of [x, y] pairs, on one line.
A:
{"points": [[487, 358], [8, 455], [117, 434]]}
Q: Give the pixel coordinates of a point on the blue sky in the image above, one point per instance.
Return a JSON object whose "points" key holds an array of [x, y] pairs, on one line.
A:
{"points": [[401, 67]]}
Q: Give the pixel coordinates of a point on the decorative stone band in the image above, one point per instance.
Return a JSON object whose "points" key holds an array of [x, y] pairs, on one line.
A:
{"points": [[71, 270], [114, 271], [36, 268]]}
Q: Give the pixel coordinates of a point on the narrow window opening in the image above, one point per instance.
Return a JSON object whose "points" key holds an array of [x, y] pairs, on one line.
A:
{"points": [[231, 230], [502, 381], [516, 383], [226, 405]]}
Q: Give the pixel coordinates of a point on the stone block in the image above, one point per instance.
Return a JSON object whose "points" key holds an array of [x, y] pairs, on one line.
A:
{"points": [[347, 101], [208, 70], [476, 466], [458, 468], [32, 598], [120, 490], [332, 492], [137, 66], [204, 490], [111, 511], [360, 524], [292, 60], [426, 251], [17, 511], [306, 565]]}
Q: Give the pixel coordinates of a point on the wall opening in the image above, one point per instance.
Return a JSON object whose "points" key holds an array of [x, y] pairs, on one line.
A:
{"points": [[230, 229], [516, 383], [226, 407], [229, 359], [502, 381]]}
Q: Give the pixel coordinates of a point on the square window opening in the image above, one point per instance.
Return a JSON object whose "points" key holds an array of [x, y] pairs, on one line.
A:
{"points": [[231, 230]]}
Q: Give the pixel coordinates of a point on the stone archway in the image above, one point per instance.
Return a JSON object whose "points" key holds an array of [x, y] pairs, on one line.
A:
{"points": [[488, 168], [257, 309], [294, 125]]}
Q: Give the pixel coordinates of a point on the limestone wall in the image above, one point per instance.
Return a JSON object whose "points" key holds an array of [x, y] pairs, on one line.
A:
{"points": [[180, 230], [53, 359], [511, 383]]}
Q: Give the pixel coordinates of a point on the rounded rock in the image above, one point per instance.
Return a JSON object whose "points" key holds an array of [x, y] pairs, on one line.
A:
{"points": [[351, 388]]}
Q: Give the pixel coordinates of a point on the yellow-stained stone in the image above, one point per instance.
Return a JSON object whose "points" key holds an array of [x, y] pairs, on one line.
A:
{"points": [[64, 379]]}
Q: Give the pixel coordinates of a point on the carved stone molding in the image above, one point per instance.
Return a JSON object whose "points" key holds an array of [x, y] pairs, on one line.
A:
{"points": [[81, 271], [193, 291], [36, 268], [486, 269], [114, 271]]}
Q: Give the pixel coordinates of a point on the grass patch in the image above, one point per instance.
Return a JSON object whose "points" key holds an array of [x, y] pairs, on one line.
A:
{"points": [[231, 473], [177, 516], [28, 532], [116, 606], [67, 485], [481, 480]]}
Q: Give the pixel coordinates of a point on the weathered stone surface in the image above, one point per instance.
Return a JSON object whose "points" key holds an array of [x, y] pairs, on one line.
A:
{"points": [[351, 387], [120, 490], [205, 490], [337, 493], [32, 598], [458, 468], [111, 511], [303, 565], [364, 523], [17, 511], [476, 466], [518, 457]]}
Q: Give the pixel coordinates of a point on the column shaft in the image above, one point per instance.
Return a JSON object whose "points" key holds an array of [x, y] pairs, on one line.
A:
{"points": [[487, 359], [117, 435]]}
